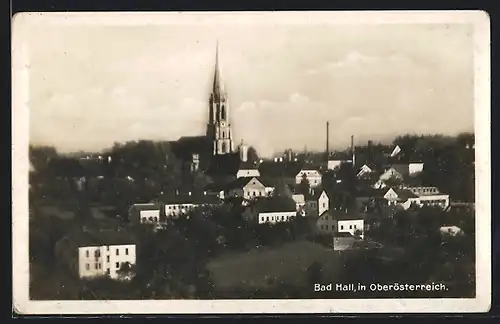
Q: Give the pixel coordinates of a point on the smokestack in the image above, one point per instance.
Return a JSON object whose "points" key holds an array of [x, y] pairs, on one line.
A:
{"points": [[352, 151], [327, 141]]}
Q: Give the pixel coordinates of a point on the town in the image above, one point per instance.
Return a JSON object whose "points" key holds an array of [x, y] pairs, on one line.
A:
{"points": [[206, 218]]}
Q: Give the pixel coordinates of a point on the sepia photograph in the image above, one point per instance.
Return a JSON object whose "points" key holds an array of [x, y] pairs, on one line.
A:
{"points": [[251, 162]]}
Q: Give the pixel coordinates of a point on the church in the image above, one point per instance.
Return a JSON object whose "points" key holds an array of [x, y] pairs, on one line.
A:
{"points": [[215, 152]]}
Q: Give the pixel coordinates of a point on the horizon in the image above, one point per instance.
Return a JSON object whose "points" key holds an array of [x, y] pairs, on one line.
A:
{"points": [[92, 86]]}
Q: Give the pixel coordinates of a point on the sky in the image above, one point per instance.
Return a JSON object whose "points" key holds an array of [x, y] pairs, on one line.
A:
{"points": [[93, 85]]}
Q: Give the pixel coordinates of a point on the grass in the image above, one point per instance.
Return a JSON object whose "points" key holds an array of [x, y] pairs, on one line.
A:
{"points": [[287, 263]]}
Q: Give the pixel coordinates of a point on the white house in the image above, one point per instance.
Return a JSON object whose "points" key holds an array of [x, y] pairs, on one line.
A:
{"points": [[430, 196], [270, 210], [99, 253], [415, 167], [340, 222], [313, 176], [403, 197], [317, 203], [145, 213], [249, 188], [335, 164], [181, 204]]}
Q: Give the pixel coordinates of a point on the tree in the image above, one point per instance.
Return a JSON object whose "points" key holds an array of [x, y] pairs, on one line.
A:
{"points": [[252, 154], [304, 185], [127, 271]]}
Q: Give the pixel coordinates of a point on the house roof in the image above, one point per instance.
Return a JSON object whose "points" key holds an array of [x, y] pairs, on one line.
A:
{"points": [[248, 165], [243, 181], [275, 204], [100, 237], [280, 169], [342, 215], [403, 194], [195, 199]]}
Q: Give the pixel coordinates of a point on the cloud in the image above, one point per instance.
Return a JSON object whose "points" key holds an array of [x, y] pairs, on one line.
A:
{"points": [[355, 62]]}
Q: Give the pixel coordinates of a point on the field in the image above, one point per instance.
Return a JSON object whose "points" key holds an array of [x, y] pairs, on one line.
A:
{"points": [[287, 264]]}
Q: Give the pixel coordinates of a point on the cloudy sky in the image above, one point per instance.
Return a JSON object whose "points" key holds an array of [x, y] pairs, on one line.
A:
{"points": [[91, 85]]}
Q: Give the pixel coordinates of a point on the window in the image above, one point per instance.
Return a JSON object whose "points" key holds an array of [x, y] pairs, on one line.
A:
{"points": [[117, 265], [321, 227], [354, 226], [87, 253], [107, 248], [267, 218], [87, 266], [126, 251], [96, 266], [108, 271], [341, 227], [350, 226], [282, 217], [107, 258], [117, 251]]}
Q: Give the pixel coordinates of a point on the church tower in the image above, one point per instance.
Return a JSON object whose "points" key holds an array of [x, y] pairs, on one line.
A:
{"points": [[219, 128]]}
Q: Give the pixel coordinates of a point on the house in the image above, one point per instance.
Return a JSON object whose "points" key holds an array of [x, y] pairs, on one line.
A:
{"points": [[300, 203], [343, 241], [183, 203], [341, 221], [451, 230], [270, 210], [145, 213], [430, 196], [247, 169], [317, 202], [336, 159], [403, 197], [363, 171], [311, 173], [249, 188], [393, 172], [97, 253]]}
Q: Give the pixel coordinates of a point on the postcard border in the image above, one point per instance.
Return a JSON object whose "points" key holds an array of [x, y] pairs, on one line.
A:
{"points": [[20, 133]]}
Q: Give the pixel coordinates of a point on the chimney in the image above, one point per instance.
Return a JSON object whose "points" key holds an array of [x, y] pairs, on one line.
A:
{"points": [[327, 141], [353, 151]]}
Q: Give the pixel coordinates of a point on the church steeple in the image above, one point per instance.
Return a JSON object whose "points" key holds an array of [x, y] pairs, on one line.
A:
{"points": [[219, 128], [216, 86]]}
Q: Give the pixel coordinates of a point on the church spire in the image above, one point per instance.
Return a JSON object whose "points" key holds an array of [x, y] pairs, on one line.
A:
{"points": [[216, 85]]}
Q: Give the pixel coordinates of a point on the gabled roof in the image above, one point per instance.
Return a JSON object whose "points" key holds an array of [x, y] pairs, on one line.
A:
{"points": [[275, 204], [243, 181], [343, 234], [280, 169]]}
